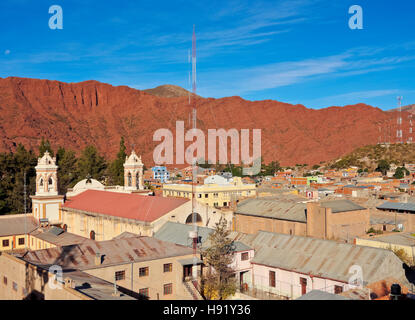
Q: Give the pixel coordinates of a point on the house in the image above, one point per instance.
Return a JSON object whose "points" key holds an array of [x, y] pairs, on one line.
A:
{"points": [[142, 266], [291, 266], [217, 191], [14, 230], [179, 234], [392, 241], [160, 173]]}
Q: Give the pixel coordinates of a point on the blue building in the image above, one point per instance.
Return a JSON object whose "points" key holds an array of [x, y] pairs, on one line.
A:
{"points": [[160, 173]]}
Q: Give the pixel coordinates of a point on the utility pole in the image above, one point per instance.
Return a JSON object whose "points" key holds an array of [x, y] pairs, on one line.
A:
{"points": [[25, 216]]}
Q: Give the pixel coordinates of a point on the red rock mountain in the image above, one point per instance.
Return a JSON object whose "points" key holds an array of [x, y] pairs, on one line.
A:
{"points": [[77, 114]]}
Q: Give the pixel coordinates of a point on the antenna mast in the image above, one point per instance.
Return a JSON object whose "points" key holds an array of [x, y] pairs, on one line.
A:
{"points": [[399, 130], [194, 164], [25, 216]]}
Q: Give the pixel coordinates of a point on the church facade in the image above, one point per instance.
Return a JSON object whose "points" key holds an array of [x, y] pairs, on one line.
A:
{"points": [[99, 212]]}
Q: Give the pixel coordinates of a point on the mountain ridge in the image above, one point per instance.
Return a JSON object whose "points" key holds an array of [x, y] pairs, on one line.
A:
{"points": [[91, 112]]}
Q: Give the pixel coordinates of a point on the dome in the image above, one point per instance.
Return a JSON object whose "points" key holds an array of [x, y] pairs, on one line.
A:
{"points": [[88, 184]]}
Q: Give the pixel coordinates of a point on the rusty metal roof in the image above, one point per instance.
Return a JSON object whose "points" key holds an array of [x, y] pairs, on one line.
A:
{"points": [[113, 252], [323, 258], [61, 239]]}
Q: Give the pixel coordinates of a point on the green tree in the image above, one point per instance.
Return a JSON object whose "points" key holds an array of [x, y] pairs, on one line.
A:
{"points": [[67, 170], [91, 164], [219, 281], [116, 168], [14, 167], [45, 146], [383, 166]]}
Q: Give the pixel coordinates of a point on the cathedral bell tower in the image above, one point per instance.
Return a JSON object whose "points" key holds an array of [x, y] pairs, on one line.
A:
{"points": [[46, 202], [133, 172]]}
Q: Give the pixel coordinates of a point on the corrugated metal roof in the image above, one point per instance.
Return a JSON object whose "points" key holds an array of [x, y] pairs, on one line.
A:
{"points": [[409, 206], [17, 224], [321, 295], [93, 287], [324, 258], [406, 239], [59, 237], [113, 252], [179, 233], [341, 206], [288, 209]]}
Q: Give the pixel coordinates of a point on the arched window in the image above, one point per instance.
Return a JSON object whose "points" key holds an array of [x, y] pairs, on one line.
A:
{"points": [[41, 182], [92, 235], [189, 219], [129, 179], [50, 184]]}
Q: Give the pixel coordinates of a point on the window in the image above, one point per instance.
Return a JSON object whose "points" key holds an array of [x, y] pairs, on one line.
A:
{"points": [[5, 280], [14, 286], [199, 195], [206, 195], [5, 243], [143, 272], [167, 267], [338, 289], [244, 256], [21, 241], [168, 289], [215, 195], [119, 275], [272, 279], [144, 292]]}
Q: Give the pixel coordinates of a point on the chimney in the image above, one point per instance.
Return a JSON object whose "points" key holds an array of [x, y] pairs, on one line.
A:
{"points": [[70, 283], [98, 259], [396, 292]]}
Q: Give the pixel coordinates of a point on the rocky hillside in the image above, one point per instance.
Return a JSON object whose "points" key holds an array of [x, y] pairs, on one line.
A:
{"points": [[76, 114]]}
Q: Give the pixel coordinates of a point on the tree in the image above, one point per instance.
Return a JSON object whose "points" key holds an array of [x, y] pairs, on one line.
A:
{"points": [[383, 166], [400, 172], [219, 283], [13, 168], [67, 169], [116, 168], [91, 164], [45, 146]]}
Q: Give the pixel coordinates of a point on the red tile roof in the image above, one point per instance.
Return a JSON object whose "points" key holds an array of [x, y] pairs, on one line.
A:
{"points": [[125, 205]]}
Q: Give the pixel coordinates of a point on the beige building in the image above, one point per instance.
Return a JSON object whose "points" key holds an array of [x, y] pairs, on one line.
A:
{"points": [[338, 219], [14, 230], [392, 241], [217, 191], [103, 215], [22, 280], [141, 266]]}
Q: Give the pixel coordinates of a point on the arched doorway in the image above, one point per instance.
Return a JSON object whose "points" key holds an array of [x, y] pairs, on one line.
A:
{"points": [[92, 235]]}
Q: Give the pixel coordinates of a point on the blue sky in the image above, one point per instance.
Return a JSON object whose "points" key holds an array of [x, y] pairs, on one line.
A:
{"points": [[296, 51]]}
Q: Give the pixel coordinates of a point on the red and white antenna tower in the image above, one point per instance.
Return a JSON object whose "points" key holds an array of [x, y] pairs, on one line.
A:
{"points": [[399, 136], [194, 233]]}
